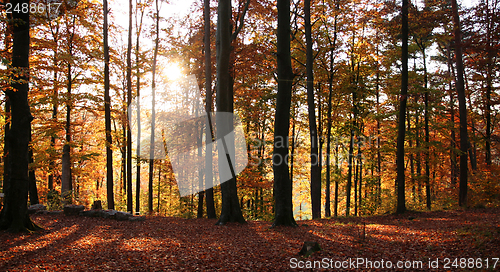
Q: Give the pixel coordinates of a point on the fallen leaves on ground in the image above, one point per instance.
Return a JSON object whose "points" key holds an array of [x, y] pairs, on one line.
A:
{"points": [[172, 244]]}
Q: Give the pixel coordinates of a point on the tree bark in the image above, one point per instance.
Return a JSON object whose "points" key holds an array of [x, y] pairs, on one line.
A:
{"points": [[282, 184], [400, 153]]}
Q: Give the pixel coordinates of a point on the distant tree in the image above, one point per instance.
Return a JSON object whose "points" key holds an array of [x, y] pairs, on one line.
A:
{"points": [[14, 215]]}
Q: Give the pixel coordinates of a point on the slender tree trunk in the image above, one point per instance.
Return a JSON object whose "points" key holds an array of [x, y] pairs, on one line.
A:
{"points": [[379, 155], [462, 108], [14, 215], [6, 141], [55, 103], [427, 137], [313, 130], [360, 178], [66, 183], [349, 174], [153, 110], [130, 208], [33, 192], [356, 164], [107, 114], [209, 136], [282, 184], [453, 155], [400, 153], [489, 76], [138, 26]]}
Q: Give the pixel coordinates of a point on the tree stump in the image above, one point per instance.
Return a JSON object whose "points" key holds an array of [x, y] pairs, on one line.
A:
{"points": [[97, 205]]}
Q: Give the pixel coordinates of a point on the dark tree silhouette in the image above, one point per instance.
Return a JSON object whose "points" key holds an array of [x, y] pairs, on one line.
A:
{"points": [[282, 183], [107, 113], [14, 215], [400, 153]]}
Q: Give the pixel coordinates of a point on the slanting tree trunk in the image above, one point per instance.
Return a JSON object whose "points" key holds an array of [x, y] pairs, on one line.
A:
{"points": [[231, 211], [153, 113], [14, 215], [107, 114], [462, 108], [400, 152], [209, 136], [129, 101], [282, 184], [313, 130], [6, 141]]}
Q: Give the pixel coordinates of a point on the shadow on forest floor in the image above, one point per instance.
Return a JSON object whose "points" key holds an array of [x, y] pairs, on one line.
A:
{"points": [[174, 244]]}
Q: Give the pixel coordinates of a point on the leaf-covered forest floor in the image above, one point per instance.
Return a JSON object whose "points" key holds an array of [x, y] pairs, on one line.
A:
{"points": [[78, 243]]}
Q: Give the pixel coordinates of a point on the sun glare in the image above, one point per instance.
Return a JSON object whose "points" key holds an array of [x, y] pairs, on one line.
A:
{"points": [[173, 71]]}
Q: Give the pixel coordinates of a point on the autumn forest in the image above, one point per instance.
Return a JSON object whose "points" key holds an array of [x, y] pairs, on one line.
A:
{"points": [[347, 108]]}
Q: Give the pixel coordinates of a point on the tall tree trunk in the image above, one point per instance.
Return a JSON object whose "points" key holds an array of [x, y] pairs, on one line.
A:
{"points": [[427, 137], [107, 114], [462, 108], [14, 215], [153, 113], [66, 182], [55, 103], [231, 211], [313, 130], [282, 184], [379, 155], [349, 174], [130, 208], [453, 155], [209, 136], [6, 141], [138, 26], [400, 153], [360, 178], [489, 76]]}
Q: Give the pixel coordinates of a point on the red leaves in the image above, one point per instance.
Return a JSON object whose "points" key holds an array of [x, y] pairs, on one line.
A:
{"points": [[80, 243]]}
